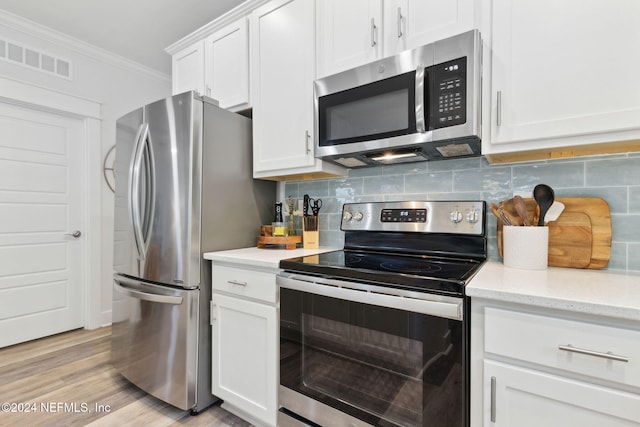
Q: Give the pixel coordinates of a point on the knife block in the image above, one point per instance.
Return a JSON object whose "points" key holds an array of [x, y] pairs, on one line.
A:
{"points": [[310, 232]]}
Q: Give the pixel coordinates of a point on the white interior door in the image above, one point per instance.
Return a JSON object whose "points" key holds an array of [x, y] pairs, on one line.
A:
{"points": [[41, 264]]}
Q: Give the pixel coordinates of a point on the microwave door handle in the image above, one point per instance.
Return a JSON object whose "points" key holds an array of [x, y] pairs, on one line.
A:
{"points": [[421, 126]]}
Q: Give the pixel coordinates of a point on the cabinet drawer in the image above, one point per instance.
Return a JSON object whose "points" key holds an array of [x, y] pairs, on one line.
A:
{"points": [[258, 285], [603, 352]]}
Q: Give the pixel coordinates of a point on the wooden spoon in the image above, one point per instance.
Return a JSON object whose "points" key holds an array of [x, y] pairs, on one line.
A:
{"points": [[521, 208], [496, 211], [509, 217]]}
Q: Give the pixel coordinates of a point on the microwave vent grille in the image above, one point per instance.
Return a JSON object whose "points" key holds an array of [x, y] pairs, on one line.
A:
{"points": [[455, 150]]}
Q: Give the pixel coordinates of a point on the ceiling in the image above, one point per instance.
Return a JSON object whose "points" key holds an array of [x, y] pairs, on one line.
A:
{"points": [[139, 30]]}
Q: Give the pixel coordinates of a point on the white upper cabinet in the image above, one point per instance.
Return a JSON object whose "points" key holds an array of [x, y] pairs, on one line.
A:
{"points": [[412, 23], [283, 70], [349, 34], [563, 73], [227, 66], [355, 32], [187, 68]]}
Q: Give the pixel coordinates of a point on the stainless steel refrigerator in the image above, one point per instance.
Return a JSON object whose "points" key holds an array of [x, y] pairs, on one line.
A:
{"points": [[184, 186]]}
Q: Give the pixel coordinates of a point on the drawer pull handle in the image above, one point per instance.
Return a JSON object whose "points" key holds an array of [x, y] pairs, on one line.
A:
{"points": [[237, 282], [607, 355]]}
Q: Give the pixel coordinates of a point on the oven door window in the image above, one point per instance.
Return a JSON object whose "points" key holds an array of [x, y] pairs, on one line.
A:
{"points": [[382, 365], [377, 110]]}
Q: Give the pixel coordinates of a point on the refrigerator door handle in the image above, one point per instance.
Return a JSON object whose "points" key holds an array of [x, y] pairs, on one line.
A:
{"points": [[164, 299], [134, 189], [150, 190]]}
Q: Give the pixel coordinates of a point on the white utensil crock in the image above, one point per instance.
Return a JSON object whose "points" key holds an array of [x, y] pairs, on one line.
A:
{"points": [[526, 248]]}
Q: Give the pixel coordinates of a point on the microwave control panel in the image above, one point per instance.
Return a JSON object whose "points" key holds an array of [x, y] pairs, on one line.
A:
{"points": [[447, 93]]}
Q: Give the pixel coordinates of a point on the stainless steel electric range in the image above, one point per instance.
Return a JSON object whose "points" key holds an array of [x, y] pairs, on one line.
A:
{"points": [[377, 333]]}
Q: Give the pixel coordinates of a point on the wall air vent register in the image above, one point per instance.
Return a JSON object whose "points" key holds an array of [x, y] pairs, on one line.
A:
{"points": [[15, 53]]}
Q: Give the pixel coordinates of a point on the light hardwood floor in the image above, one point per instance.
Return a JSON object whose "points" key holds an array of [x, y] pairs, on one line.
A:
{"points": [[67, 380]]}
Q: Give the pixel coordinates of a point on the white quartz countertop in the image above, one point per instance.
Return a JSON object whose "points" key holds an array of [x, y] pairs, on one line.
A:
{"points": [[268, 257], [598, 292]]}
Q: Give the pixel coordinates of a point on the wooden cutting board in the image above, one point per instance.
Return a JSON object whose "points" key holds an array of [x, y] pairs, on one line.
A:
{"points": [[580, 237]]}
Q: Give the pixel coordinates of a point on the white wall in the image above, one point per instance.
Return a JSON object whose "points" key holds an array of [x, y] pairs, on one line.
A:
{"points": [[117, 84]]}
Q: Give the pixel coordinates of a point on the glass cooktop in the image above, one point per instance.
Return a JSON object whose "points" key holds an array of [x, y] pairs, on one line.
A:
{"points": [[421, 273]]}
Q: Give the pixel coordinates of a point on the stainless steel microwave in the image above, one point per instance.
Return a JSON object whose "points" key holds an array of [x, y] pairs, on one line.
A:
{"points": [[422, 104]]}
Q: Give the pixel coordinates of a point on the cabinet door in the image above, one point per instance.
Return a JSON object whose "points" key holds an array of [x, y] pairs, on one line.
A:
{"points": [[283, 61], [187, 68], [349, 34], [564, 70], [412, 23], [245, 356], [227, 66], [527, 398]]}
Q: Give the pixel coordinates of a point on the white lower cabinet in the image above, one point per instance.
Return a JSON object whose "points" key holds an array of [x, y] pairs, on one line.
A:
{"points": [[244, 322], [521, 397], [534, 366]]}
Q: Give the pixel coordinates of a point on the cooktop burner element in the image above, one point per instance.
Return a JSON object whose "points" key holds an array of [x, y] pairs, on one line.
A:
{"points": [[410, 267], [415, 265], [422, 246]]}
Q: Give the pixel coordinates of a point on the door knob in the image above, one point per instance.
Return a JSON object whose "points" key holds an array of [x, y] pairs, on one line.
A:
{"points": [[75, 234]]}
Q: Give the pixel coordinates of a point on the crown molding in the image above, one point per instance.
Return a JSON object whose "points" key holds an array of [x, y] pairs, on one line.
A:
{"points": [[66, 41], [234, 14]]}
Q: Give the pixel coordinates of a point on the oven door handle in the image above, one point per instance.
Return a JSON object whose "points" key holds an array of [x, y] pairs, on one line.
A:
{"points": [[430, 304]]}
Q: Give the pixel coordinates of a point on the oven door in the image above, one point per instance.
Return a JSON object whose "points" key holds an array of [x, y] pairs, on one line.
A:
{"points": [[352, 354]]}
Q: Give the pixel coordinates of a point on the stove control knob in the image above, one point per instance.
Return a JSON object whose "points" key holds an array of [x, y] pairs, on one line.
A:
{"points": [[358, 216], [472, 216], [347, 216], [455, 216]]}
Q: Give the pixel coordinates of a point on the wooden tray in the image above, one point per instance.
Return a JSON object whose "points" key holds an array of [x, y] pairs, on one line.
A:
{"points": [[290, 242], [580, 237]]}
